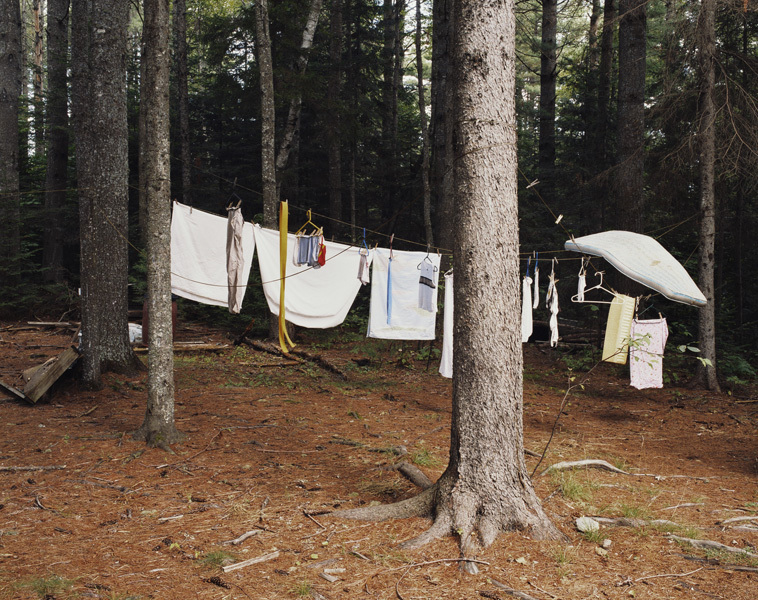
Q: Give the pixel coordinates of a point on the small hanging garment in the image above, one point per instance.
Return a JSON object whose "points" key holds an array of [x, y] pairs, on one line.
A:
{"points": [[551, 300], [620, 315], [394, 313], [648, 341], [426, 287], [321, 253], [363, 270], [581, 283], [536, 303], [446, 361], [198, 256], [235, 259], [526, 309]]}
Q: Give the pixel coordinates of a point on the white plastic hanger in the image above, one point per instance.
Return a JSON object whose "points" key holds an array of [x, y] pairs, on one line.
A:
{"points": [[599, 286]]}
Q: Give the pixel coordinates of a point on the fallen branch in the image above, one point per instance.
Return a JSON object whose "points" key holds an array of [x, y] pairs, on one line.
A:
{"points": [[631, 522], [50, 468], [511, 591], [251, 561], [711, 545], [242, 538], [593, 463], [736, 519], [630, 582], [321, 362], [717, 563]]}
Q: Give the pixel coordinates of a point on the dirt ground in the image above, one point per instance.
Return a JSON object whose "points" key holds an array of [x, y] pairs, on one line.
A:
{"points": [[272, 447]]}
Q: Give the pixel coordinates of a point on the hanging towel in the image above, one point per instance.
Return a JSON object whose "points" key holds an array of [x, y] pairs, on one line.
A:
{"points": [[446, 362], [536, 303], [316, 298], [617, 330], [394, 312], [427, 290], [526, 310], [235, 259], [198, 256], [646, 352]]}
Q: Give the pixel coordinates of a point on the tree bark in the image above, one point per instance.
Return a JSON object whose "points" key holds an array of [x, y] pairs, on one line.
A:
{"points": [[441, 123], [158, 428], [600, 146], [424, 132], [11, 65], [707, 141], [57, 138], [629, 176], [37, 81], [333, 124], [485, 489], [99, 111], [182, 97], [292, 125], [548, 78], [268, 115]]}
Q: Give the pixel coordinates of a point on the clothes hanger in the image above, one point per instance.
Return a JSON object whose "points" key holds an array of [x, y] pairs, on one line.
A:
{"points": [[318, 231], [599, 286], [230, 202], [427, 259]]}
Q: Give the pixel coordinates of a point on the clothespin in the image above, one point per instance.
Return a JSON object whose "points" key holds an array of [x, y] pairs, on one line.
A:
{"points": [[392, 237], [528, 264]]}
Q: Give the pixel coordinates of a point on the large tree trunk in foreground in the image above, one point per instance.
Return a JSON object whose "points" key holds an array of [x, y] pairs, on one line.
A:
{"points": [[99, 109], [158, 428], [57, 138], [485, 489], [707, 140], [11, 64]]}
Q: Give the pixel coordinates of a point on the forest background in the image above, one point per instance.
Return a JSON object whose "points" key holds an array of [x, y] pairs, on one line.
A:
{"points": [[366, 145]]}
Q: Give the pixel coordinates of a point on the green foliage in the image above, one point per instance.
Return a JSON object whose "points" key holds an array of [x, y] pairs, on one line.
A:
{"points": [[217, 559], [53, 586]]}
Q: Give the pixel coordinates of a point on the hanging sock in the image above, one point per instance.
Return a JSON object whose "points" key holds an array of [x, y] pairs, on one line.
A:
{"points": [[551, 299], [526, 309], [536, 282], [284, 337], [363, 270], [582, 283]]}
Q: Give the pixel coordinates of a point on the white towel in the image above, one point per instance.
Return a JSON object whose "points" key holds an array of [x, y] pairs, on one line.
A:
{"points": [[198, 256], [446, 362], [314, 298], [408, 321], [526, 310]]}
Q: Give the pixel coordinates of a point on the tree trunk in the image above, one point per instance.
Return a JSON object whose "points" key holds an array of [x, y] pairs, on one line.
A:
{"points": [[292, 126], [424, 132], [333, 125], [57, 138], [182, 93], [39, 117], [99, 111], [158, 428], [629, 176], [11, 65], [600, 147], [268, 116], [441, 124], [548, 77], [707, 139], [485, 489], [390, 26]]}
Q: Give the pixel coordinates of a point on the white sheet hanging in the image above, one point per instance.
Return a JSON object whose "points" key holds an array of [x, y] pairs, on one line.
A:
{"points": [[446, 362], [407, 320], [314, 298], [198, 255]]}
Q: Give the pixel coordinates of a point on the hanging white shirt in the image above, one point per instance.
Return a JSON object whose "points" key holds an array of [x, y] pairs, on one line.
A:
{"points": [[314, 298], [406, 321], [198, 256]]}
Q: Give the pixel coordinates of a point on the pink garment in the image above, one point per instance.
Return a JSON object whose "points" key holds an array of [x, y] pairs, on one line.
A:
{"points": [[648, 341]]}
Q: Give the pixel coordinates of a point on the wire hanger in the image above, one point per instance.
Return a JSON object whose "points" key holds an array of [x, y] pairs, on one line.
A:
{"points": [[230, 203], [319, 230], [599, 286], [427, 259]]}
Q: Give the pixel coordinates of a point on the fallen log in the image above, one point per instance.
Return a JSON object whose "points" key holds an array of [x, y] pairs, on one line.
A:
{"points": [[44, 377], [12, 391], [593, 463], [413, 474], [298, 355]]}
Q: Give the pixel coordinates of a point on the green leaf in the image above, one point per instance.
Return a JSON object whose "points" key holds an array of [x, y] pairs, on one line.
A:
{"points": [[693, 348]]}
